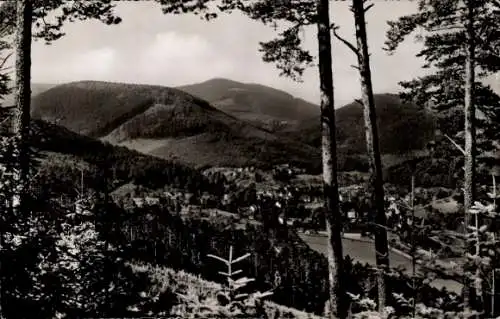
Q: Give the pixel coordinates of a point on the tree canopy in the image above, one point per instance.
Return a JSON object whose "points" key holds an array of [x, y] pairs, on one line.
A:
{"points": [[440, 27]]}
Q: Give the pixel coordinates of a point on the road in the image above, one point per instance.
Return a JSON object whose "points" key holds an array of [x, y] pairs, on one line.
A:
{"points": [[363, 251]]}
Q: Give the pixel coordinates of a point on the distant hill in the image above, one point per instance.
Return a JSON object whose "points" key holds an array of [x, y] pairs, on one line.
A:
{"points": [[256, 103], [167, 123], [402, 127], [36, 88]]}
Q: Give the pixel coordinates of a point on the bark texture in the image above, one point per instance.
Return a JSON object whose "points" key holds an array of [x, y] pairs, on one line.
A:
{"points": [[20, 124], [470, 130], [337, 295], [373, 149], [470, 112]]}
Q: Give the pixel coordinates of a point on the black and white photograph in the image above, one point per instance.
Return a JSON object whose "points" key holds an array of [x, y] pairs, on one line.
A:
{"points": [[274, 159]]}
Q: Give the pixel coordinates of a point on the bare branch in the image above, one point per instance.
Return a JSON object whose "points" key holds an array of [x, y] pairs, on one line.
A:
{"points": [[447, 28], [368, 7], [456, 144], [4, 60], [349, 45], [4, 70]]}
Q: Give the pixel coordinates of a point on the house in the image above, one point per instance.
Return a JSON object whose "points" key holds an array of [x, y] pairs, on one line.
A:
{"points": [[169, 195], [280, 219], [188, 198], [139, 202], [352, 215], [152, 200], [289, 221], [205, 197]]}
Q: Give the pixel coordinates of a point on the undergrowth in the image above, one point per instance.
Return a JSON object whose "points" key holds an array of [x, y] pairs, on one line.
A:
{"points": [[196, 290]]}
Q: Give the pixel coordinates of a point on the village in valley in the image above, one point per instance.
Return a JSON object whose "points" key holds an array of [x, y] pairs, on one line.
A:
{"points": [[296, 199]]}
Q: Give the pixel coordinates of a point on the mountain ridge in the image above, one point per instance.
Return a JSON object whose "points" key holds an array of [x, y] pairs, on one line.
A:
{"points": [[172, 124], [253, 102], [124, 114]]}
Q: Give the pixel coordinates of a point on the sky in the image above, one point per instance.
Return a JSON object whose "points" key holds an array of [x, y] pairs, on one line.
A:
{"points": [[149, 47]]}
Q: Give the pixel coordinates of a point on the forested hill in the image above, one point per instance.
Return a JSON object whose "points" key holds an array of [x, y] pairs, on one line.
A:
{"points": [[167, 123], [62, 156], [171, 124], [402, 127], [259, 104]]}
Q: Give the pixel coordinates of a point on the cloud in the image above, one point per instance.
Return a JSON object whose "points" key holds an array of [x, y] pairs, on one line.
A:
{"points": [[99, 62], [96, 64], [175, 59], [149, 48]]}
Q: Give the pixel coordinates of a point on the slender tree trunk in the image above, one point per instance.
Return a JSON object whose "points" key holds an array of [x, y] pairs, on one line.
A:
{"points": [[337, 293], [18, 131], [372, 145], [20, 124], [470, 112], [413, 245], [470, 130]]}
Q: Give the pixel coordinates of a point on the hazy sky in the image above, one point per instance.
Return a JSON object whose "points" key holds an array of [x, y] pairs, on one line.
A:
{"points": [[149, 47]]}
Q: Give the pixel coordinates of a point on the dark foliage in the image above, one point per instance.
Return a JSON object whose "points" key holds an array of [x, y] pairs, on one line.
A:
{"points": [[110, 166], [296, 274], [394, 117]]}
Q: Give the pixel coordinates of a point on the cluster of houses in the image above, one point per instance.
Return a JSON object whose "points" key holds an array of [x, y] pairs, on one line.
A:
{"points": [[288, 169], [277, 196], [172, 198], [233, 173]]}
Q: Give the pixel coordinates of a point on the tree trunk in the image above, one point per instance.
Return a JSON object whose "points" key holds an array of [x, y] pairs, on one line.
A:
{"points": [[470, 130], [337, 294], [372, 146], [20, 124]]}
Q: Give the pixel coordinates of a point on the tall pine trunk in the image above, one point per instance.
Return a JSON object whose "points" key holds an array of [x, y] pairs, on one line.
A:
{"points": [[470, 130], [19, 121], [470, 113], [337, 293], [373, 149], [20, 125]]}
